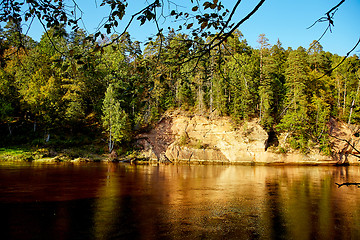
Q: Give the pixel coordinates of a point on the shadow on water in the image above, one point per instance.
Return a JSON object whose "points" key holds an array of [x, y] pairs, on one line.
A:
{"points": [[115, 201]]}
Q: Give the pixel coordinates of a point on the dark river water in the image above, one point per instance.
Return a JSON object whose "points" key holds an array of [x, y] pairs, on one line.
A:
{"points": [[119, 201]]}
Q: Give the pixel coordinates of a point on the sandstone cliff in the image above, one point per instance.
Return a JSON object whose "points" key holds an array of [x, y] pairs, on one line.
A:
{"points": [[193, 139], [344, 141]]}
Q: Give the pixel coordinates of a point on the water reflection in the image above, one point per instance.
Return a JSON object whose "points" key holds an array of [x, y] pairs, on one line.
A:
{"points": [[115, 201]]}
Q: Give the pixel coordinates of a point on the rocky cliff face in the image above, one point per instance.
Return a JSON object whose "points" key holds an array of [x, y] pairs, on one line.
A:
{"points": [[180, 138], [344, 140]]}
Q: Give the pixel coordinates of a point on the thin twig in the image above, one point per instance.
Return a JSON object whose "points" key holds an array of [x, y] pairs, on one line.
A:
{"points": [[329, 18], [227, 35], [347, 184], [344, 58], [346, 142]]}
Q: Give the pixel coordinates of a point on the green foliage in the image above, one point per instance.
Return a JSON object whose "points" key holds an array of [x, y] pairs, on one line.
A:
{"points": [[115, 119], [183, 140], [15, 154], [118, 89], [5, 110], [185, 96]]}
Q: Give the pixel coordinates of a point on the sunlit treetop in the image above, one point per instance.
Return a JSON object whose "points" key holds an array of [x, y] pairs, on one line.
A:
{"points": [[203, 19]]}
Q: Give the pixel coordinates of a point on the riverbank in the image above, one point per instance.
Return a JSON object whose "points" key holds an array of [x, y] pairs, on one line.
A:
{"points": [[70, 155], [76, 155], [30, 154], [184, 138]]}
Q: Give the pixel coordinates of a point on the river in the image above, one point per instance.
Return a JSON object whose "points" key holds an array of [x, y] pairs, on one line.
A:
{"points": [[123, 201]]}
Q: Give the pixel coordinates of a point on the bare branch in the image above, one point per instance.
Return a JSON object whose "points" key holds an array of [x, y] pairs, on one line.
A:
{"points": [[344, 58], [347, 141], [129, 23], [226, 36], [240, 22], [230, 17], [329, 18], [48, 36], [348, 184]]}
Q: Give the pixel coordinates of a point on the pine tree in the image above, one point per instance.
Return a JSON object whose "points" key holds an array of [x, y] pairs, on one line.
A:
{"points": [[295, 111], [271, 88]]}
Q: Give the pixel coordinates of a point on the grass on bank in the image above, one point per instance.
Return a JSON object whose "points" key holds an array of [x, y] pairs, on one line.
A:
{"points": [[15, 154], [25, 153]]}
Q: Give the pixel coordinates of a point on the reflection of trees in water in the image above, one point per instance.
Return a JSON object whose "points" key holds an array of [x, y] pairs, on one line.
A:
{"points": [[226, 201], [305, 204], [123, 208], [106, 205], [277, 223]]}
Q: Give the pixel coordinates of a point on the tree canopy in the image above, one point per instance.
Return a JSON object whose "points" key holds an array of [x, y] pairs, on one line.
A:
{"points": [[70, 80], [203, 19]]}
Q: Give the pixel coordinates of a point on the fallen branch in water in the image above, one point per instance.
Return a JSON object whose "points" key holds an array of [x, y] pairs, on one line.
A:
{"points": [[348, 184]]}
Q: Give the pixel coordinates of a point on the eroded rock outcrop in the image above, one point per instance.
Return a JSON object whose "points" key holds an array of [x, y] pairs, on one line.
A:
{"points": [[155, 143], [344, 140], [197, 138]]}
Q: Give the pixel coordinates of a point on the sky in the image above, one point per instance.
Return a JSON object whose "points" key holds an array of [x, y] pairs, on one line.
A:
{"points": [[286, 20]]}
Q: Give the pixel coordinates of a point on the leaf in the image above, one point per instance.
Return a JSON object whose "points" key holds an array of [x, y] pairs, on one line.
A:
{"points": [[189, 26], [213, 6], [194, 9], [203, 25], [150, 16]]}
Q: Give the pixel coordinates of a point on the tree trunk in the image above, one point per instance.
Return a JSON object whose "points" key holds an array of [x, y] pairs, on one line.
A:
{"points": [[344, 97], [111, 144], [47, 139], [9, 127], [211, 96], [339, 94]]}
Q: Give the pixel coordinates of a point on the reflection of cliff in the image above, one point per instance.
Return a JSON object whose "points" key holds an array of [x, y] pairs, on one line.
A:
{"points": [[210, 201], [197, 138], [253, 202], [226, 202]]}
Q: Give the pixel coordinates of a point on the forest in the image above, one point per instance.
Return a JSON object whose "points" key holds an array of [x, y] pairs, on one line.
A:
{"points": [[65, 90]]}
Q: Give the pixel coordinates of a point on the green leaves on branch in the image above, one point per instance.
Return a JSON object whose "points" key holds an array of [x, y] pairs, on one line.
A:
{"points": [[115, 120]]}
